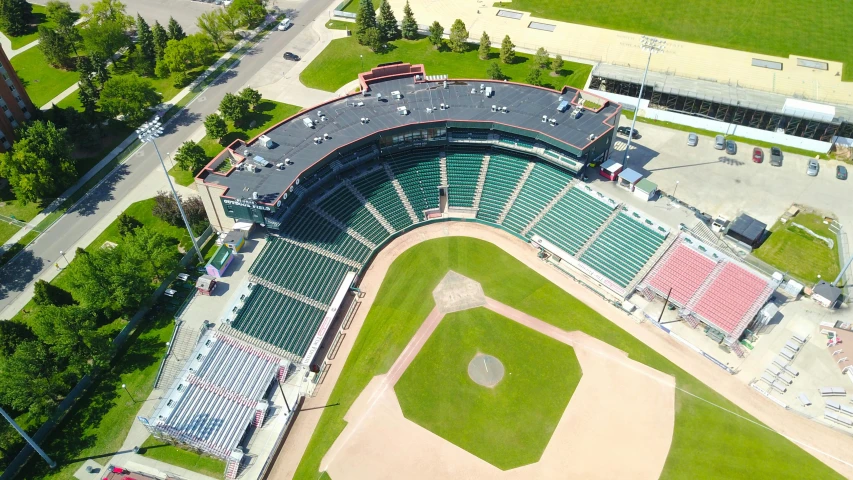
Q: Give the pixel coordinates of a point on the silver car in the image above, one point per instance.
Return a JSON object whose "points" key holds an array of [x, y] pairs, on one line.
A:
{"points": [[692, 140], [813, 168], [720, 142]]}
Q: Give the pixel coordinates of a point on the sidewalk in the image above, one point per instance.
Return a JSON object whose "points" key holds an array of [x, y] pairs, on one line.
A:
{"points": [[7, 44]]}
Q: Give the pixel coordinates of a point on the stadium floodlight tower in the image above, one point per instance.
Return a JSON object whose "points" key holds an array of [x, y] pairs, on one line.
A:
{"points": [[651, 45], [147, 133], [29, 439]]}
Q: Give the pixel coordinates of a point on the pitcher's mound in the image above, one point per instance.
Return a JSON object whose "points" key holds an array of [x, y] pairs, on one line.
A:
{"points": [[486, 370]]}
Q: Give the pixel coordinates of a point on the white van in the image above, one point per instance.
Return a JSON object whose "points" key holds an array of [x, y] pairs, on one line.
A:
{"points": [[285, 24]]}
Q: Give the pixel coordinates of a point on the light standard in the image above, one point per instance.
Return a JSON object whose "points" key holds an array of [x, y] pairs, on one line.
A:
{"points": [[168, 154], [362, 62], [128, 392], [675, 189], [29, 440], [651, 45], [147, 133], [62, 252]]}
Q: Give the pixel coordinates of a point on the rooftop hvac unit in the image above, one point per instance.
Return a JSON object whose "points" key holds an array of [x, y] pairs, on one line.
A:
{"points": [[482, 86], [429, 109], [379, 96], [279, 165], [308, 122], [563, 106], [553, 122], [592, 136], [544, 118], [240, 166], [288, 161], [326, 136], [473, 91], [489, 92], [494, 108], [396, 94], [504, 110], [402, 110], [359, 104], [261, 161], [445, 84], [441, 106], [254, 195], [265, 141], [319, 113]]}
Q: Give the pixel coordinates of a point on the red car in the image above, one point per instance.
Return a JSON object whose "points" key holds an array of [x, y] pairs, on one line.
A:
{"points": [[757, 155]]}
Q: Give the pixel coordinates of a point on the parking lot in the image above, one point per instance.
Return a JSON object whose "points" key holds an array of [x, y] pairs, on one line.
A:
{"points": [[184, 11], [722, 184]]}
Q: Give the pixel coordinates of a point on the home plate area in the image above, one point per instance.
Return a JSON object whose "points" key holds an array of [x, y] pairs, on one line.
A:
{"points": [[484, 391]]}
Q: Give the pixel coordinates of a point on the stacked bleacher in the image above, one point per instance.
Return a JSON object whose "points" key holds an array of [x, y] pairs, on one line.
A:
{"points": [[623, 248], [501, 178], [418, 172], [708, 286], [543, 184], [463, 170], [379, 191], [306, 225], [344, 206], [573, 220]]}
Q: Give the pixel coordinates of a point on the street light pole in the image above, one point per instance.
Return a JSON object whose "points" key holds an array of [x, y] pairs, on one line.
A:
{"points": [[147, 133], [651, 45], [29, 440], [362, 63], [128, 393], [675, 189], [62, 252]]}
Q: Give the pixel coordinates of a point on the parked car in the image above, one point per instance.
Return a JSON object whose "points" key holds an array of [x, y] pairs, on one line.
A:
{"points": [[757, 155], [291, 56], [285, 24], [731, 147], [692, 140], [775, 156], [813, 168], [625, 131], [720, 142], [841, 172]]}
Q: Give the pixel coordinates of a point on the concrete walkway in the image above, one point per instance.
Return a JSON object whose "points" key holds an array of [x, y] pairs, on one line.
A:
{"points": [[6, 43]]}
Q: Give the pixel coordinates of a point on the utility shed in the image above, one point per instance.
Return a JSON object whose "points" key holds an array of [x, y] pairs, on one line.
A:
{"points": [[826, 294], [747, 230], [645, 189], [628, 179]]}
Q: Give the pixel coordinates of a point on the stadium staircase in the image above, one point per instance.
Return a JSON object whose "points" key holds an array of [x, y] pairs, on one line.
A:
{"points": [[514, 195], [402, 193], [369, 206], [288, 293], [548, 207], [349, 231], [594, 237], [481, 179], [705, 234], [324, 252], [652, 262], [337, 166], [442, 165], [182, 347]]}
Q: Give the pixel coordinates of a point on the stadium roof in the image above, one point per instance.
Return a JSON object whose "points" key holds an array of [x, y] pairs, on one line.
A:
{"points": [[214, 399], [422, 98]]}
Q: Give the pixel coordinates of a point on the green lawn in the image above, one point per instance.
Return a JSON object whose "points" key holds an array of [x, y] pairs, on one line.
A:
{"points": [[32, 34], [806, 28], [707, 442], [793, 250], [7, 230], [508, 425], [18, 246], [164, 452], [42, 81], [339, 25], [339, 63], [12, 207], [352, 7], [72, 100], [265, 115]]}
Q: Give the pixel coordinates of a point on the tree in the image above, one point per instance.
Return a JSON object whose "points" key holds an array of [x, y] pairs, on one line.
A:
{"points": [[196, 214], [105, 38], [372, 38], [32, 379], [89, 97], [128, 95], [507, 50], [234, 108], [485, 46], [166, 209], [161, 69], [542, 59], [365, 18], [436, 31], [71, 332], [176, 32], [251, 96], [45, 293], [100, 69], [12, 334], [495, 72], [534, 77], [190, 157], [557, 64], [55, 47], [179, 56], [410, 26], [106, 11], [63, 17], [145, 44], [387, 22], [458, 36], [211, 24], [39, 163], [15, 16], [201, 48], [155, 253], [250, 12], [230, 22], [159, 36], [215, 126], [127, 224]]}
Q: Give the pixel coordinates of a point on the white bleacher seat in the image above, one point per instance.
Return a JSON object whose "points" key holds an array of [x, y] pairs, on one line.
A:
{"points": [[780, 361], [800, 338], [785, 378], [779, 387], [804, 399], [793, 371], [793, 345], [832, 391], [846, 409], [768, 379], [830, 415], [787, 354], [773, 370], [833, 405]]}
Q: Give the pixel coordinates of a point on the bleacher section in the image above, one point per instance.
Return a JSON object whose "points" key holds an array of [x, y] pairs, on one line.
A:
{"points": [[573, 220], [378, 190], [544, 183], [682, 269], [516, 141], [418, 174], [299, 270], [343, 205], [623, 248], [278, 320], [305, 225], [501, 179], [463, 170]]}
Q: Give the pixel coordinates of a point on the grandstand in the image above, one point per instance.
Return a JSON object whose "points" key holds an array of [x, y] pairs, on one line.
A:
{"points": [[709, 287]]}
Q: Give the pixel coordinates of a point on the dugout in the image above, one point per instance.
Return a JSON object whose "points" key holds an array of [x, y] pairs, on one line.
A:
{"points": [[747, 230]]}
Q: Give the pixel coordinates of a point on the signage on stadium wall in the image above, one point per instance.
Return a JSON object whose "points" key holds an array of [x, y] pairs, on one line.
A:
{"points": [[247, 204], [600, 278], [327, 320]]}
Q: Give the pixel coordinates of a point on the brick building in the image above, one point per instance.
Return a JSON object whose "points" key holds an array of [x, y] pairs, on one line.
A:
{"points": [[14, 102]]}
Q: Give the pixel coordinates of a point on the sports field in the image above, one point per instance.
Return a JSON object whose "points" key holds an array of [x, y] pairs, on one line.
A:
{"points": [[707, 441], [810, 28]]}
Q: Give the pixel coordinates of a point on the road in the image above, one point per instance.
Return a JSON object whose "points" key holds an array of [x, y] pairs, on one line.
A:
{"points": [[101, 202]]}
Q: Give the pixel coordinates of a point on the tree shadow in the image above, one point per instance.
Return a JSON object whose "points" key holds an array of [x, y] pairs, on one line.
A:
{"points": [[103, 192], [184, 119], [18, 273], [227, 75]]}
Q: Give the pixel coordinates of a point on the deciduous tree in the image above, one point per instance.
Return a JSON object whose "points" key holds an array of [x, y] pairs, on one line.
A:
{"points": [[234, 108], [458, 36], [45, 293], [507, 50], [12, 334], [409, 26], [106, 11], [71, 332], [215, 126], [252, 97], [485, 46], [55, 47], [230, 22], [190, 157], [63, 18], [211, 24], [557, 64], [33, 379], [129, 95], [542, 59], [436, 31], [105, 38], [39, 163], [250, 12]]}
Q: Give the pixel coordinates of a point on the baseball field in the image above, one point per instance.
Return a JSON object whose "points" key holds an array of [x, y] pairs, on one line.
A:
{"points": [[710, 436]]}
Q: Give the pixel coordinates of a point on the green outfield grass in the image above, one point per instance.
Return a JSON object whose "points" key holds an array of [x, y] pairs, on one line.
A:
{"points": [[797, 252], [508, 425], [809, 28], [341, 62], [708, 442]]}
